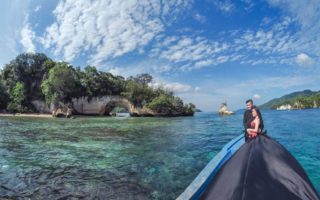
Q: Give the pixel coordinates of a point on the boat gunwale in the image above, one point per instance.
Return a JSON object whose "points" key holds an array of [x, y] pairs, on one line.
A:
{"points": [[199, 184]]}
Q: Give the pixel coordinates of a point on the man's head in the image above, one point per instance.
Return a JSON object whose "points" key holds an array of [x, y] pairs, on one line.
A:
{"points": [[249, 104]]}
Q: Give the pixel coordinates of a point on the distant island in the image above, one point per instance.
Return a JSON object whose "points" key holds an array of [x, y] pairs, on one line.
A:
{"points": [[297, 100], [34, 83], [224, 110]]}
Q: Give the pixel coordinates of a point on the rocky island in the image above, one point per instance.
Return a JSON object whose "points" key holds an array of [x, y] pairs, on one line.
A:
{"points": [[224, 109], [34, 83]]}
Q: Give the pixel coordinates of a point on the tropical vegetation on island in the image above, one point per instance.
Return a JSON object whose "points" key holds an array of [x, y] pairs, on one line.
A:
{"points": [[34, 76], [296, 100]]}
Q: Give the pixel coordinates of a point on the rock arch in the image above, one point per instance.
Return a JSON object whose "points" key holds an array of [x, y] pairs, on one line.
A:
{"points": [[101, 105], [121, 102]]}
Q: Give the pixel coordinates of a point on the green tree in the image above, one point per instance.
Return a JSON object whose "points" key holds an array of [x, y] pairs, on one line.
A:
{"points": [[162, 104], [316, 99], [178, 104], [139, 94], [143, 79], [137, 90], [99, 83], [4, 96], [28, 69], [108, 84], [168, 104], [189, 109], [17, 96], [118, 85], [62, 84], [91, 81]]}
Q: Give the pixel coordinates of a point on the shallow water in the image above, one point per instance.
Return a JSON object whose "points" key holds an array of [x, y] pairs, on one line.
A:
{"points": [[132, 158]]}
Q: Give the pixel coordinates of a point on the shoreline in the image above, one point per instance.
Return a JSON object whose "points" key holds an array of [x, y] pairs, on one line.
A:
{"points": [[42, 115], [39, 115]]}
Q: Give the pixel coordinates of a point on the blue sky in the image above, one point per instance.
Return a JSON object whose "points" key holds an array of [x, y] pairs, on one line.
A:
{"points": [[206, 51]]}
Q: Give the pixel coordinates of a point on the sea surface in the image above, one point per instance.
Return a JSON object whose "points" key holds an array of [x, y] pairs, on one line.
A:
{"points": [[133, 158]]}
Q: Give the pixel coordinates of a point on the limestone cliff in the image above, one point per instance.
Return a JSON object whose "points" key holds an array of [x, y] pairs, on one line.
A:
{"points": [[98, 106]]}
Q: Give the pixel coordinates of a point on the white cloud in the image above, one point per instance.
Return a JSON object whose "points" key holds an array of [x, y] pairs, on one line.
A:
{"points": [[256, 96], [156, 68], [272, 45], [306, 15], [249, 4], [178, 87], [108, 28], [276, 43], [27, 37], [306, 12], [105, 30], [203, 63], [224, 6], [37, 8], [200, 18], [279, 41], [115, 71], [304, 60], [197, 89], [174, 87], [162, 68], [190, 52]]}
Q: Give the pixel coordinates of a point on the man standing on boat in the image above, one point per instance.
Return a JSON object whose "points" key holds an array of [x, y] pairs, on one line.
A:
{"points": [[247, 117]]}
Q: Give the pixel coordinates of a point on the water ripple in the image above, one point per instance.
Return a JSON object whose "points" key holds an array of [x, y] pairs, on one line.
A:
{"points": [[132, 158]]}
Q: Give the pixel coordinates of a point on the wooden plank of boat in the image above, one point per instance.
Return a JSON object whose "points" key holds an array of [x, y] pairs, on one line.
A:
{"points": [[199, 184]]}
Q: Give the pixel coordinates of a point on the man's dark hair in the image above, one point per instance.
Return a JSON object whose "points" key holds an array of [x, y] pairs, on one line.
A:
{"points": [[249, 100]]}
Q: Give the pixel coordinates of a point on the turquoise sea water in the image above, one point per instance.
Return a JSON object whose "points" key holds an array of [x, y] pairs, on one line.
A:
{"points": [[132, 158]]}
